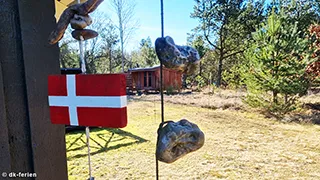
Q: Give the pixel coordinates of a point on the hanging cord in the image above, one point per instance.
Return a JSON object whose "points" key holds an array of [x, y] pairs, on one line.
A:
{"points": [[161, 88], [83, 64]]}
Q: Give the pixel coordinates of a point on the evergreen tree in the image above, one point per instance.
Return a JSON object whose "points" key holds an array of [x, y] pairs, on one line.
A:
{"points": [[302, 12], [274, 72], [147, 53]]}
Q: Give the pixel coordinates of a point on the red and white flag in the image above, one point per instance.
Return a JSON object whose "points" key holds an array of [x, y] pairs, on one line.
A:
{"points": [[88, 100]]}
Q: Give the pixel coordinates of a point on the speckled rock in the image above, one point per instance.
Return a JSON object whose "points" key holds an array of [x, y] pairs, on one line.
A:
{"points": [[177, 139], [80, 22], [182, 58]]}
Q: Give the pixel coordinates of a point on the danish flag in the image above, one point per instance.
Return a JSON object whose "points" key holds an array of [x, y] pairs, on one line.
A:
{"points": [[88, 100]]}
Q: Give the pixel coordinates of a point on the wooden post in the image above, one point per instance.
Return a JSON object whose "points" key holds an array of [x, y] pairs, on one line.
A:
{"points": [[4, 139], [29, 142]]}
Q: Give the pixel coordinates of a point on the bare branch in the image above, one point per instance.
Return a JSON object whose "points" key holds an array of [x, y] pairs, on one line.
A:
{"points": [[207, 38], [234, 53]]}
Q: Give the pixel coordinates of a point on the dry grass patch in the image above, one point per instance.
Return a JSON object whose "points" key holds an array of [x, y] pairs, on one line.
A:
{"points": [[239, 145], [212, 99]]}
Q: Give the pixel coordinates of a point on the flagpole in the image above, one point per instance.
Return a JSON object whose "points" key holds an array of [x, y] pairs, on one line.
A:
{"points": [[83, 69], [89, 159]]}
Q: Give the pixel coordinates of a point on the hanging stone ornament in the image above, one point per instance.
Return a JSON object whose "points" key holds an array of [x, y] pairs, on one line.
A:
{"points": [[80, 22], [77, 16], [182, 58], [85, 33], [177, 139]]}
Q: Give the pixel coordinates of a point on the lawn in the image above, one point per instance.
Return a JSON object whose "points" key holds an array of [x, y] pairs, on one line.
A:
{"points": [[238, 145]]}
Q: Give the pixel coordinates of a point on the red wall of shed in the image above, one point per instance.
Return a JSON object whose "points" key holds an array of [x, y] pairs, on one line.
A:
{"points": [[170, 78]]}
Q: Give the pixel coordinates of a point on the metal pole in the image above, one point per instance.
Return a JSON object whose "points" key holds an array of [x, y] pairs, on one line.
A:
{"points": [[161, 69], [161, 88], [89, 159], [83, 69], [162, 19]]}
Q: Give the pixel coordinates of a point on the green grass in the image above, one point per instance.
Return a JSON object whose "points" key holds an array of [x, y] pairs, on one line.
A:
{"points": [[239, 145]]}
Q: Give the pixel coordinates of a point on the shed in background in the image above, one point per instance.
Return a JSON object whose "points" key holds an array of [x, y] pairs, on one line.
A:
{"points": [[148, 79]]}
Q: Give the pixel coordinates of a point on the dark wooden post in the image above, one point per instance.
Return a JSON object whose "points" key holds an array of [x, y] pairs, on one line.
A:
{"points": [[28, 141]]}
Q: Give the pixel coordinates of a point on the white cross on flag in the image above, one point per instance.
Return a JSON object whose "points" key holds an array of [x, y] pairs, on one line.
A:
{"points": [[88, 100]]}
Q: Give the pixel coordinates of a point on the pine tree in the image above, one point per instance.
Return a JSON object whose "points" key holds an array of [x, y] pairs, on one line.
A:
{"points": [[147, 53], [274, 71]]}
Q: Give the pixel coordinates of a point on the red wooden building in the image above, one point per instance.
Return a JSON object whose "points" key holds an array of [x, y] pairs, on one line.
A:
{"points": [[149, 79]]}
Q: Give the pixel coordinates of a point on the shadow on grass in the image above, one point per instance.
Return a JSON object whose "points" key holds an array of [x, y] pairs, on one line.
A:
{"points": [[122, 135], [312, 118]]}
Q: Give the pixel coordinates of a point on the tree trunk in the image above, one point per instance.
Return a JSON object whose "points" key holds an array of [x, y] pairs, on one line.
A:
{"points": [[122, 56], [121, 42], [286, 98], [275, 98], [120, 12], [200, 69], [110, 59], [220, 70], [184, 81]]}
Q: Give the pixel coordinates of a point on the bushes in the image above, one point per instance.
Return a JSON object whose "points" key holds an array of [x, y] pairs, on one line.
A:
{"points": [[233, 77], [170, 90], [173, 89], [196, 81]]}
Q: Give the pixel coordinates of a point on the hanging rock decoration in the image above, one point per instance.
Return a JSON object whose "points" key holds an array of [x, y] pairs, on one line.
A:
{"points": [[177, 139], [80, 22], [77, 16], [85, 33], [182, 58]]}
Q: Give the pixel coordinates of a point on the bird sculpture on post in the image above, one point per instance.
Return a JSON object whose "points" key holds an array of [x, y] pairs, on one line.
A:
{"points": [[91, 100], [78, 16]]}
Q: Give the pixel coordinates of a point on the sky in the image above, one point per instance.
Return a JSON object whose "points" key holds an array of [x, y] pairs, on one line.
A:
{"points": [[177, 21]]}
